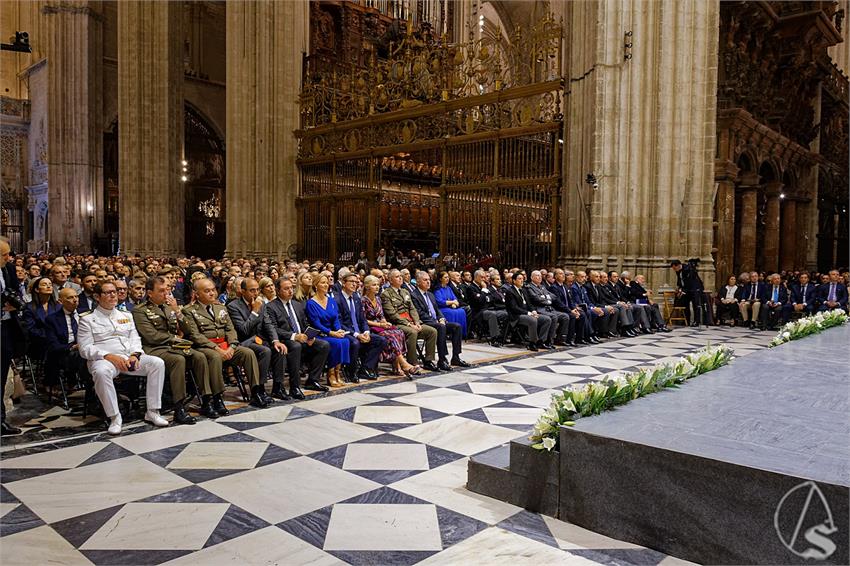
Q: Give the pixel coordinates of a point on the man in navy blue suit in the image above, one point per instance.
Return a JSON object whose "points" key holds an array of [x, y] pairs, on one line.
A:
{"points": [[87, 301], [750, 302], [774, 302], [803, 295], [430, 315], [61, 333], [365, 347], [833, 293]]}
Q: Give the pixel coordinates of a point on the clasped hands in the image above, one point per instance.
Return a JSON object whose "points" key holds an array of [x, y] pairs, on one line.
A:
{"points": [[121, 363]]}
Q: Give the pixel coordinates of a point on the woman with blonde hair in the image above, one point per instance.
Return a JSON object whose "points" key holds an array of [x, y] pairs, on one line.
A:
{"points": [[396, 348], [324, 316], [267, 292], [304, 289]]}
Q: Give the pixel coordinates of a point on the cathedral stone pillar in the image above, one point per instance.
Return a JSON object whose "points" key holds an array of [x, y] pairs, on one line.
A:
{"points": [[725, 174], [150, 118], [770, 252], [265, 43], [747, 233], [645, 127], [74, 129], [789, 236]]}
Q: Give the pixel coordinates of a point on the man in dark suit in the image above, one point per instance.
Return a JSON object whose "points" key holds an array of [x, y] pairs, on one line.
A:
{"points": [[542, 301], [484, 307], [87, 301], [833, 293], [609, 298], [690, 288], [289, 320], [775, 303], [597, 317], [562, 302], [61, 334], [255, 332], [521, 312], [430, 315], [606, 326], [750, 299], [11, 335], [365, 347], [460, 291], [803, 296]]}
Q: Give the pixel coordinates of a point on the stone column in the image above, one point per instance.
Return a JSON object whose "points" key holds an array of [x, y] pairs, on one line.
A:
{"points": [[724, 206], [770, 251], [789, 236], [74, 129], [747, 233], [645, 127], [150, 118], [265, 43]]}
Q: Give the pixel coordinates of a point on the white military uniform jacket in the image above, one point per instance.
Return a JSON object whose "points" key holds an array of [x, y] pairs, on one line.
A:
{"points": [[103, 332]]}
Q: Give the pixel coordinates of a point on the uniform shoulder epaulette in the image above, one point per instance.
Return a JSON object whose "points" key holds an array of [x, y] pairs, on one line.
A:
{"points": [[85, 313]]}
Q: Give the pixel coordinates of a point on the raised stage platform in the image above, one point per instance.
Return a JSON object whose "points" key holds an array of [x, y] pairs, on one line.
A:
{"points": [[714, 472]]}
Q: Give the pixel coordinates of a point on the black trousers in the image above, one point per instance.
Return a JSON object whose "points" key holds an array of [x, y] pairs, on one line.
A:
{"points": [[267, 358], [494, 320], [448, 330], [315, 355], [563, 325]]}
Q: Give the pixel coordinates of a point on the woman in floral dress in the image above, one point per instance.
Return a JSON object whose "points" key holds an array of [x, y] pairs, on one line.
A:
{"points": [[396, 347]]}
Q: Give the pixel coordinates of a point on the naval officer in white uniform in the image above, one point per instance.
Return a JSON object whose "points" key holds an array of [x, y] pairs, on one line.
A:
{"points": [[108, 340]]}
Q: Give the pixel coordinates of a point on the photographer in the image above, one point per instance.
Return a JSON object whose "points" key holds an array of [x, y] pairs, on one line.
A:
{"points": [[10, 333], [690, 289]]}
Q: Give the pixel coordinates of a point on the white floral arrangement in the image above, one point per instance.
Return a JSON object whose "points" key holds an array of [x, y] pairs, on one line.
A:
{"points": [[809, 325], [594, 398]]}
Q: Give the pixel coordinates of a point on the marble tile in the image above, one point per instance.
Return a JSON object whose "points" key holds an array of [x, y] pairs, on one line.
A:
{"points": [[151, 526], [281, 491], [541, 399], [604, 363], [545, 379], [404, 387], [270, 546], [219, 455], [498, 415], [658, 350], [387, 414], [527, 363], [450, 379], [576, 368], [338, 401], [499, 547], [365, 456], [276, 414], [6, 507], [570, 536], [448, 400], [383, 527], [63, 458], [39, 546], [497, 388], [627, 354], [486, 370], [557, 356], [312, 434], [459, 435], [69, 493], [446, 487], [171, 436]]}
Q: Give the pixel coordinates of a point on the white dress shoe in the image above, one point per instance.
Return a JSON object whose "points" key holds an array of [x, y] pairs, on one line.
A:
{"points": [[154, 418], [115, 425]]}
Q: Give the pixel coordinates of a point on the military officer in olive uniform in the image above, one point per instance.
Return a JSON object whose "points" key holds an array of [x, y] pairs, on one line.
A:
{"points": [[158, 321], [212, 333], [399, 310]]}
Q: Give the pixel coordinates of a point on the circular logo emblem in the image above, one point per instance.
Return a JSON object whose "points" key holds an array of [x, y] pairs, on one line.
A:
{"points": [[803, 522]]}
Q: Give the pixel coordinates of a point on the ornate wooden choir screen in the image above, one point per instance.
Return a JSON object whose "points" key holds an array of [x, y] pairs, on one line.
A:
{"points": [[436, 146]]}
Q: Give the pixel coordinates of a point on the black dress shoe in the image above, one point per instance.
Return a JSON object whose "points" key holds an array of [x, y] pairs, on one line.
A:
{"points": [[182, 417], [278, 392], [371, 374], [561, 342], [268, 398], [258, 400], [430, 366], [571, 344], [532, 347], [362, 374], [296, 393], [443, 365], [315, 386], [646, 331], [207, 409], [460, 363], [9, 430], [595, 340], [218, 405], [612, 335], [496, 343]]}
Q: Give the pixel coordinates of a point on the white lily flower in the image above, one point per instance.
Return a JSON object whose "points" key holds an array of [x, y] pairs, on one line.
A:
{"points": [[549, 443]]}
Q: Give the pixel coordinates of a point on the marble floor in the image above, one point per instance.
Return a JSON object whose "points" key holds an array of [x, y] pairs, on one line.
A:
{"points": [[371, 476]]}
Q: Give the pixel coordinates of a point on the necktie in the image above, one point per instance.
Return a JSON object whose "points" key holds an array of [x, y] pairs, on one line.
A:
{"points": [[775, 297], [804, 292], [353, 315], [831, 297], [293, 320], [753, 291], [430, 306], [210, 310]]}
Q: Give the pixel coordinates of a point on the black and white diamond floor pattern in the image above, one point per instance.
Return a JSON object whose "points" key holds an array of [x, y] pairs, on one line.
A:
{"points": [[374, 476]]}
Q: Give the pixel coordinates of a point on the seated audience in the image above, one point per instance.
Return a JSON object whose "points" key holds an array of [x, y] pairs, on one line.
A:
{"points": [[727, 306], [34, 314], [750, 298], [543, 302], [396, 348], [430, 315], [365, 348], [803, 295], [487, 305], [775, 303], [62, 351], [521, 312], [833, 293], [449, 304], [323, 313], [399, 310]]}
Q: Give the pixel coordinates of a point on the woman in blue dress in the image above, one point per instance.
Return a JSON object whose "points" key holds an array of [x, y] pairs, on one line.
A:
{"points": [[448, 303], [324, 316]]}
